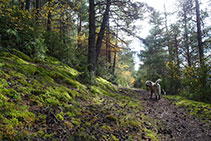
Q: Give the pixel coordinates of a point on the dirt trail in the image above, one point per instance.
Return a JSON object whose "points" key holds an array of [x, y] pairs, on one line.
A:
{"points": [[178, 124]]}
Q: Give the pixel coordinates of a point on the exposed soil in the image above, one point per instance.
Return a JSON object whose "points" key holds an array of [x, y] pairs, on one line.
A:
{"points": [[177, 124]]}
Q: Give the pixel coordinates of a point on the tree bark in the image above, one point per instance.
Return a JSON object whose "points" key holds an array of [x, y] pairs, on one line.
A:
{"points": [[199, 34], [114, 63], [28, 3], [108, 47], [186, 37], [91, 48], [37, 6], [176, 49], [49, 17], [79, 30], [102, 29], [167, 35]]}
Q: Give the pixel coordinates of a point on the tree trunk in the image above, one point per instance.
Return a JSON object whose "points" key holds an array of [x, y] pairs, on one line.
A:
{"points": [[199, 34], [79, 30], [91, 48], [108, 47], [102, 29], [37, 9], [49, 17], [28, 3], [176, 49], [186, 38], [114, 62], [167, 35]]}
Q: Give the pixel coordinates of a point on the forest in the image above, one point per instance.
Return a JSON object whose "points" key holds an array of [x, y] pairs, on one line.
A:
{"points": [[67, 70]]}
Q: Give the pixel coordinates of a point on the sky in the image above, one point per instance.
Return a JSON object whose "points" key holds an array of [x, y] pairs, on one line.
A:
{"points": [[159, 5]]}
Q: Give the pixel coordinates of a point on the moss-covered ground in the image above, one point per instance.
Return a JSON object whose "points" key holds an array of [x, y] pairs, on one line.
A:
{"points": [[46, 101], [198, 109]]}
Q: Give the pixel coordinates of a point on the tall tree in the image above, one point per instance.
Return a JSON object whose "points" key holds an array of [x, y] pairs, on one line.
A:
{"points": [[199, 34], [154, 56], [49, 16], [37, 7], [167, 35], [92, 48], [186, 38], [103, 27]]}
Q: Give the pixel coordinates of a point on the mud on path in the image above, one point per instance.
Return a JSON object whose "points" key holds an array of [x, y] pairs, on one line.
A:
{"points": [[177, 124]]}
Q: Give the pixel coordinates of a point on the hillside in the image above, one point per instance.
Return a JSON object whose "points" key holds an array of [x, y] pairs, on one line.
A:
{"points": [[49, 101], [46, 101]]}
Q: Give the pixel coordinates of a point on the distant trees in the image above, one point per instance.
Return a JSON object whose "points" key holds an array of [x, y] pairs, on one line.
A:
{"points": [[83, 34], [117, 12], [175, 52]]}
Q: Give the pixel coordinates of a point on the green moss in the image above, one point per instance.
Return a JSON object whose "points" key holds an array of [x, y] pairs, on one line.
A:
{"points": [[59, 93], [70, 114], [106, 127], [134, 123], [75, 83], [74, 93], [111, 117], [68, 71], [59, 77], [11, 93], [3, 98], [88, 124], [3, 83], [68, 125], [98, 90], [97, 100], [114, 137], [45, 79], [53, 101], [47, 136], [13, 119], [21, 55], [60, 116], [52, 60], [134, 104], [198, 109], [40, 133], [28, 69], [14, 62], [104, 84], [151, 134], [76, 121]]}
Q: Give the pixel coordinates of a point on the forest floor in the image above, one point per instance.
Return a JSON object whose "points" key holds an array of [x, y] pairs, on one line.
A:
{"points": [[177, 123], [50, 101]]}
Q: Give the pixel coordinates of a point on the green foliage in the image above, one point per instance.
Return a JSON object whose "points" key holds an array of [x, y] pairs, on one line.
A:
{"points": [[57, 48], [172, 81], [196, 81], [18, 30]]}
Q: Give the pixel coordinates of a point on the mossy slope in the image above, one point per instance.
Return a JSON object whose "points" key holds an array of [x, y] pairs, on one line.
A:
{"points": [[46, 101]]}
